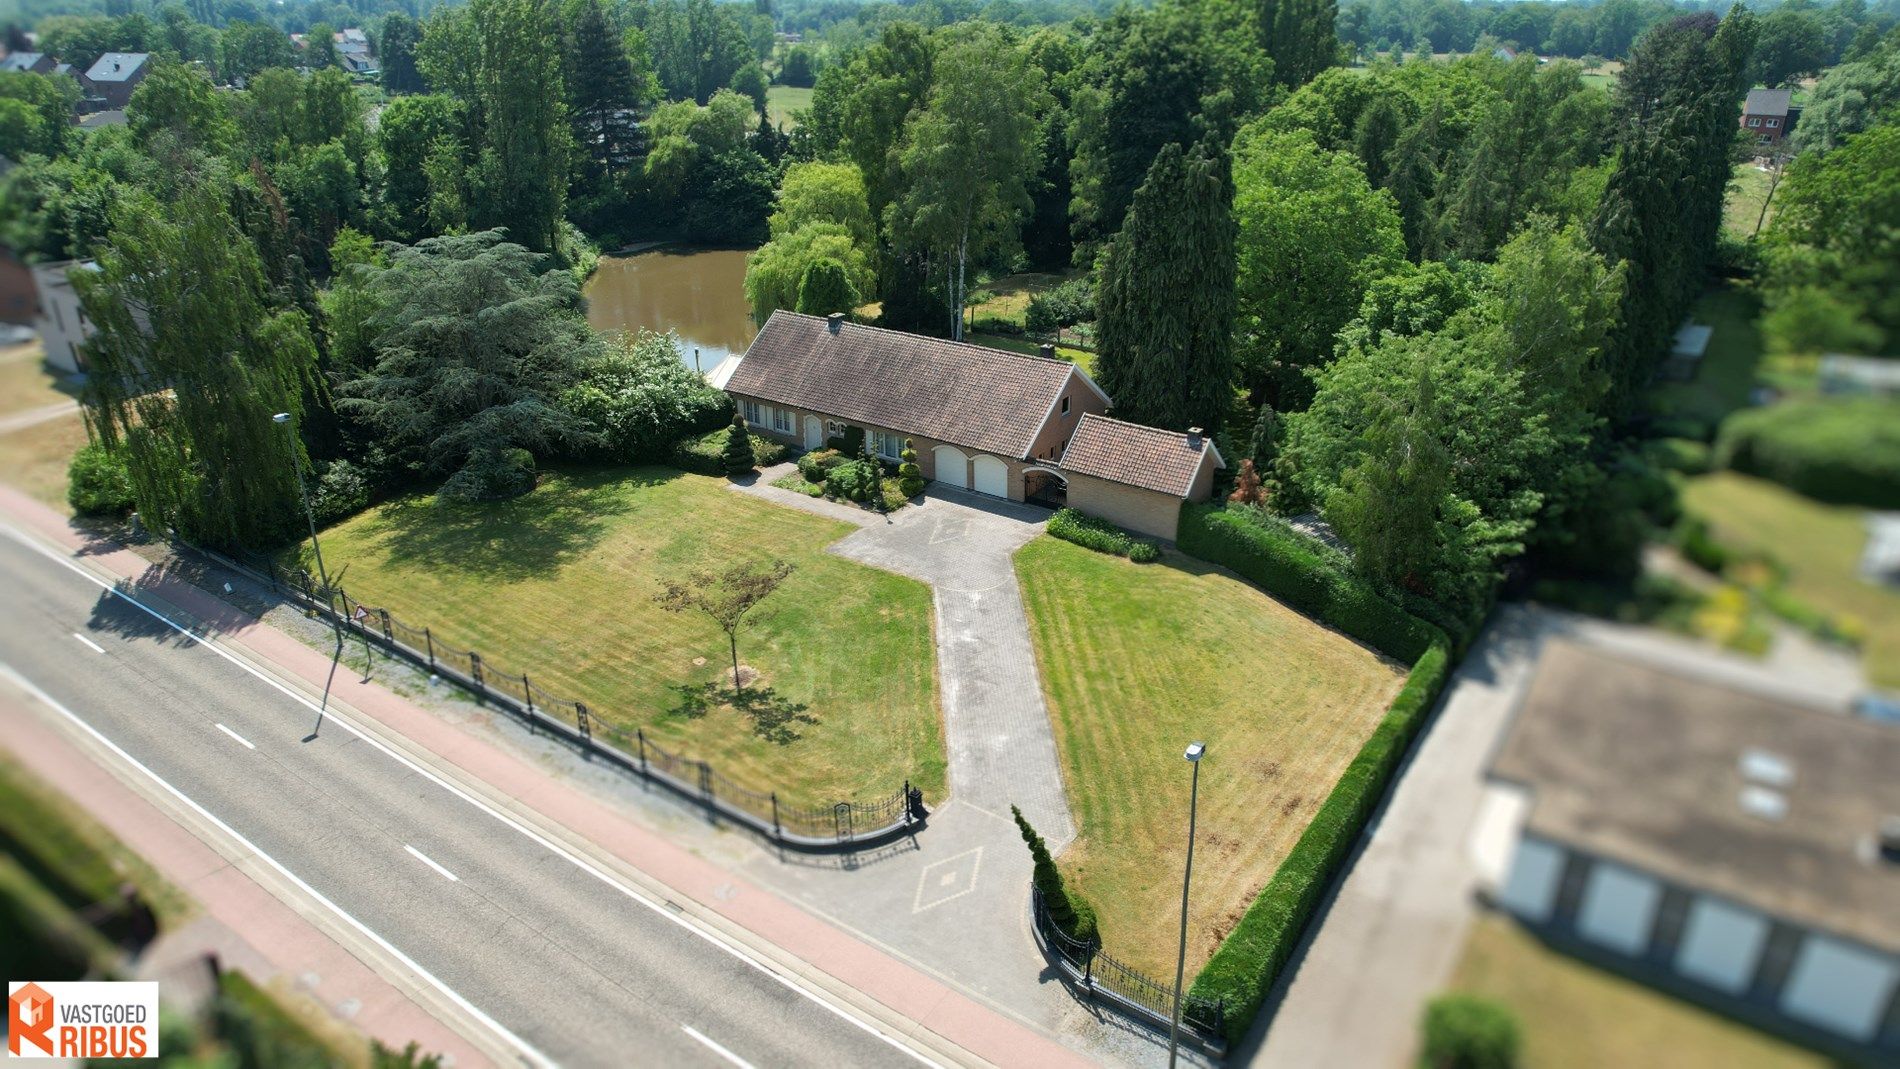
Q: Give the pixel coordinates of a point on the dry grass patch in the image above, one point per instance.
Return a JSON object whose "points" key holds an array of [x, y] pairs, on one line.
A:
{"points": [[1577, 1016], [35, 458], [26, 382], [1139, 660], [560, 584]]}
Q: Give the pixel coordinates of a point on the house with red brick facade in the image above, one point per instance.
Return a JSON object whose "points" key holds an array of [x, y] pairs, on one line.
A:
{"points": [[1021, 428], [1767, 115]]}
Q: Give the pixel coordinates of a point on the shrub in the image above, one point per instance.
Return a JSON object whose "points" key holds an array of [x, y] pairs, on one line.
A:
{"points": [[737, 457], [1684, 455], [1467, 1032], [1248, 961], [815, 464], [640, 398], [492, 475], [705, 454], [910, 477], [1700, 548], [1845, 452], [1071, 912], [1101, 536], [856, 480], [343, 490], [851, 443], [1305, 574], [98, 483]]}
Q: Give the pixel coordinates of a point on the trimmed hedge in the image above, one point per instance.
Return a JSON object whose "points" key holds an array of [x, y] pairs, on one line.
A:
{"points": [[1305, 575], [705, 453], [1251, 957], [1091, 532], [1846, 452], [1316, 581]]}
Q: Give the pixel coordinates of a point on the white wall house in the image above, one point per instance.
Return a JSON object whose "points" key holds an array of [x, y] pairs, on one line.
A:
{"points": [[62, 324]]}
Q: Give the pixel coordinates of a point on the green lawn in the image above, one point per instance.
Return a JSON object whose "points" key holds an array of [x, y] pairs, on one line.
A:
{"points": [[35, 459], [1137, 661], [26, 382], [1730, 367], [1819, 544], [1577, 1016], [560, 584], [1032, 347], [781, 101], [1742, 212]]}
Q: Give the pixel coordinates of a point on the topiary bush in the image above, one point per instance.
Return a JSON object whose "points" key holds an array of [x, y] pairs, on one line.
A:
{"points": [[1094, 533], [1071, 912], [737, 457], [910, 477], [855, 480], [705, 454], [1845, 452], [1468, 1032], [97, 483]]}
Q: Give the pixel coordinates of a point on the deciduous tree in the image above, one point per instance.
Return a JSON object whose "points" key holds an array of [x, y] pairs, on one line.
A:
{"points": [[728, 598]]}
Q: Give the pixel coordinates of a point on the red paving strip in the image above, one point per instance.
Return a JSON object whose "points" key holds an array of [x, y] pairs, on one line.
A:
{"points": [[943, 1010], [272, 932]]}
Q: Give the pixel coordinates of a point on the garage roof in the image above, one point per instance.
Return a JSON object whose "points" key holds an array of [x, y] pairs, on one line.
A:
{"points": [[1148, 457]]}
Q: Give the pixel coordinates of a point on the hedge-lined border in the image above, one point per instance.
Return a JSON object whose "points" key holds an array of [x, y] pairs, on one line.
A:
{"points": [[1303, 575]]}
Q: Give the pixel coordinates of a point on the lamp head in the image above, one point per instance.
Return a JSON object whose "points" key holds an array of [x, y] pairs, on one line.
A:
{"points": [[1195, 750], [281, 417]]}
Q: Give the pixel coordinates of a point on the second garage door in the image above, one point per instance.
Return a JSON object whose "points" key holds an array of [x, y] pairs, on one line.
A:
{"points": [[991, 476]]}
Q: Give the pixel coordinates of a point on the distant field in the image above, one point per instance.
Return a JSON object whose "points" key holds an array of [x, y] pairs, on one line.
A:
{"points": [[781, 101], [1031, 347], [1577, 1016]]}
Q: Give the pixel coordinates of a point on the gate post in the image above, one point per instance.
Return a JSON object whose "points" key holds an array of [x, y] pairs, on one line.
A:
{"points": [[705, 783], [475, 670], [580, 715], [527, 692], [389, 634], [429, 641], [642, 734], [776, 833]]}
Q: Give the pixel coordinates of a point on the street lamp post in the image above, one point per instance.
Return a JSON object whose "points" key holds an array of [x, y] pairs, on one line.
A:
{"points": [[1194, 752], [283, 420]]}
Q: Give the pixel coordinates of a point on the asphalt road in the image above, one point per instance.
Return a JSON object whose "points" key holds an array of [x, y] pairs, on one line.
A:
{"points": [[568, 964]]}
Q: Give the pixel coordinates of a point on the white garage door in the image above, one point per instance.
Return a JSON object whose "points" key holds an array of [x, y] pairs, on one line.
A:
{"points": [[1531, 891], [953, 468], [1619, 908], [992, 476], [1721, 944], [1842, 988]]}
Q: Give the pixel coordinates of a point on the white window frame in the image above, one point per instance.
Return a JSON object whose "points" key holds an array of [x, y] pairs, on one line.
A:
{"points": [[1774, 124], [888, 446], [1065, 404], [781, 421], [1754, 120], [750, 409]]}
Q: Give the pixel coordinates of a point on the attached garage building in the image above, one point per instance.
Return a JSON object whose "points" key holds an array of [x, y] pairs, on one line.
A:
{"points": [[1712, 836], [981, 419]]}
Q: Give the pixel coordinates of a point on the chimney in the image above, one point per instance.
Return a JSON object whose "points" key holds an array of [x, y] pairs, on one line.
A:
{"points": [[1194, 439], [834, 322], [1048, 351]]}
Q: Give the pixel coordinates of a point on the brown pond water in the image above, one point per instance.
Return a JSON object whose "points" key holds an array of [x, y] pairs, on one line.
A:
{"points": [[697, 293]]}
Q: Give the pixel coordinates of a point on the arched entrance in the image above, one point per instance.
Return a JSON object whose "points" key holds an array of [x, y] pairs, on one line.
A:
{"points": [[1045, 487]]}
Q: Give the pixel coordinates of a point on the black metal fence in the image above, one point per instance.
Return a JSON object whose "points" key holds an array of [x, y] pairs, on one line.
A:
{"points": [[824, 827], [1098, 973]]}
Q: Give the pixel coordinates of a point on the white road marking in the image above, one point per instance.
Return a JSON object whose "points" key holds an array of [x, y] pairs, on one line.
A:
{"points": [[90, 644], [532, 1055], [238, 737], [715, 1047], [689, 924], [427, 860]]}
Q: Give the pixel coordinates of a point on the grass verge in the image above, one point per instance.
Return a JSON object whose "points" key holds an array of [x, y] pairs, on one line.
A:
{"points": [[1139, 660], [1730, 368], [560, 584], [34, 459]]}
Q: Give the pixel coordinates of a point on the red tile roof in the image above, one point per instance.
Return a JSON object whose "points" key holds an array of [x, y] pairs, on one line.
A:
{"points": [[967, 395], [1130, 453]]}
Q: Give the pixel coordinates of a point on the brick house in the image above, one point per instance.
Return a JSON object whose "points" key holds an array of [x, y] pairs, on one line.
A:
{"points": [[110, 80], [1729, 844], [19, 295], [1768, 114], [1009, 426]]}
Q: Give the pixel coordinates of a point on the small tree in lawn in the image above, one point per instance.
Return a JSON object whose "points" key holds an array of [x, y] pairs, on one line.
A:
{"points": [[738, 455], [910, 477], [1247, 485], [727, 597]]}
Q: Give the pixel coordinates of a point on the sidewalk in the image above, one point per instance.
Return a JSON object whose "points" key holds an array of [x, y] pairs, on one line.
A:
{"points": [[891, 991]]}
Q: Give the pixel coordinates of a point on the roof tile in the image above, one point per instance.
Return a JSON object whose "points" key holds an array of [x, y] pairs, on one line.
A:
{"points": [[1130, 453]]}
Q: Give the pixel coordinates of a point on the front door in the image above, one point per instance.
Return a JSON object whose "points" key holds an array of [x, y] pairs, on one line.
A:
{"points": [[814, 433]]}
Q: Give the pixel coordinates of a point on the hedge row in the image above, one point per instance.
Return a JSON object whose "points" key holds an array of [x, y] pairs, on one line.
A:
{"points": [[1250, 958], [1305, 575], [1846, 452], [1094, 533], [705, 453]]}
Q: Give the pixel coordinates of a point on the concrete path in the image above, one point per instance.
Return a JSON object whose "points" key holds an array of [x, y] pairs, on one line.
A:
{"points": [[33, 417], [1393, 930]]}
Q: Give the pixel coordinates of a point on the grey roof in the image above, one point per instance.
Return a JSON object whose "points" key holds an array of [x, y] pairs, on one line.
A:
{"points": [[968, 395], [1767, 102], [116, 66], [1682, 778], [21, 61], [1148, 457]]}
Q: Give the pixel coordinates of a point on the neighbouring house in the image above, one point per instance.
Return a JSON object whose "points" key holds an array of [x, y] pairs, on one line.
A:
{"points": [[1022, 428], [19, 295], [1718, 842], [1767, 115], [1845, 375], [62, 323], [110, 80], [29, 63]]}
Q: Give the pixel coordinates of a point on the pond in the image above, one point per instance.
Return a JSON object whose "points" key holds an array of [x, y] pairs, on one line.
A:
{"points": [[697, 293]]}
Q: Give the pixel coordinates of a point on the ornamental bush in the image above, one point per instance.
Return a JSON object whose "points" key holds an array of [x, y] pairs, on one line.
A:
{"points": [[1069, 910], [705, 454], [816, 464], [910, 477], [1845, 452], [1468, 1032], [98, 483], [1097, 534], [737, 456], [856, 480]]}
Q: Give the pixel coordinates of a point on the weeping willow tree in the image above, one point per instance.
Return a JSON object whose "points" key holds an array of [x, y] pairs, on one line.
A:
{"points": [[188, 364]]}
